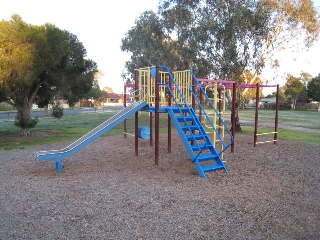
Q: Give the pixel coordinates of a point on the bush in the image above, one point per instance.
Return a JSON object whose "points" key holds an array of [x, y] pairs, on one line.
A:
{"points": [[25, 123], [57, 110], [6, 107]]}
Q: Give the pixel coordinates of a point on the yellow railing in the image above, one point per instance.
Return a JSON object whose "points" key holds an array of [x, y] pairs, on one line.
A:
{"points": [[147, 83]]}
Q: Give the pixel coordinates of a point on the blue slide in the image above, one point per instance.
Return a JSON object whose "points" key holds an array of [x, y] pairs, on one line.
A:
{"points": [[59, 155]]}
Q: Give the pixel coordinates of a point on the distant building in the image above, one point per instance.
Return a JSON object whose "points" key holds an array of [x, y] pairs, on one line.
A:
{"points": [[268, 100], [114, 98]]}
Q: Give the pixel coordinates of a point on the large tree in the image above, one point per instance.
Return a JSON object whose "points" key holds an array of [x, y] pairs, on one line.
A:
{"points": [[237, 36], [150, 43], [222, 38], [314, 90], [295, 90], [38, 63]]}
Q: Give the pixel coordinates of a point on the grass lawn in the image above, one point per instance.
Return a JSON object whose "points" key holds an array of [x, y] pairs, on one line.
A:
{"points": [[71, 127], [68, 128]]}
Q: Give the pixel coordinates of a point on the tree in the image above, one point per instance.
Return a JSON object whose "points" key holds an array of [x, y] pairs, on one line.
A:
{"points": [[39, 63], [295, 90], [236, 36], [228, 34], [95, 92], [314, 90], [250, 93], [305, 78], [107, 89], [226, 38], [150, 45]]}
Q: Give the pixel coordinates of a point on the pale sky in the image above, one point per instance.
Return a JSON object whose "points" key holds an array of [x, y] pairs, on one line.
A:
{"points": [[101, 24]]}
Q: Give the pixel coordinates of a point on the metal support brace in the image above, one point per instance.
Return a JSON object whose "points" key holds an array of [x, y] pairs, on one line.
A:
{"points": [[58, 166]]}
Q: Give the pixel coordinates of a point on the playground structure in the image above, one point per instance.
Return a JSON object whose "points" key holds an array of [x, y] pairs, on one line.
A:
{"points": [[182, 96], [145, 86]]}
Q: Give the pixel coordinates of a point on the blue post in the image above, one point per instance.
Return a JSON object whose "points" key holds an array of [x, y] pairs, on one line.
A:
{"points": [[58, 167]]}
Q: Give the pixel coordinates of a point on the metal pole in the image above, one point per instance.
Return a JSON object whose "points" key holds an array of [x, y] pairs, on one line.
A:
{"points": [[275, 137], [150, 124], [256, 117], [200, 110], [233, 114], [156, 150], [169, 119], [136, 115], [220, 110], [124, 105]]}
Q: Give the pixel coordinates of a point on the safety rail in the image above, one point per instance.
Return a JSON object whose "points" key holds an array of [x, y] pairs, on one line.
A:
{"points": [[185, 121], [177, 90], [146, 78], [199, 86]]}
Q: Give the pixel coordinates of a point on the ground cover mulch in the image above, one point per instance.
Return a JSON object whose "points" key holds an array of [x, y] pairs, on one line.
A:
{"points": [[106, 192]]}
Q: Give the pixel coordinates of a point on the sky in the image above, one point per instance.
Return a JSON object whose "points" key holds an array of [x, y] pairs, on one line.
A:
{"points": [[100, 25]]}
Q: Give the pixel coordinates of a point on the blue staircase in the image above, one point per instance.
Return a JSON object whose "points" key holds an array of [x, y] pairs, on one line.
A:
{"points": [[59, 155], [198, 144]]}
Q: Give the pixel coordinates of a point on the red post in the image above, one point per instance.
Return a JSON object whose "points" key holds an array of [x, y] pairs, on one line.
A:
{"points": [[220, 109], [157, 124], [150, 124], [233, 114], [169, 119], [125, 105], [275, 136], [193, 104], [256, 116], [201, 101], [136, 123]]}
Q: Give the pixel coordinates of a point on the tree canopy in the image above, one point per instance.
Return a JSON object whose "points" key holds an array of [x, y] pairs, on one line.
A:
{"points": [[295, 90], [222, 38], [314, 89], [39, 63]]}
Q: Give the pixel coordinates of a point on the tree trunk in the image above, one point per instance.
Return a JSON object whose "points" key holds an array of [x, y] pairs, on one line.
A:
{"points": [[24, 120], [46, 111], [237, 121]]}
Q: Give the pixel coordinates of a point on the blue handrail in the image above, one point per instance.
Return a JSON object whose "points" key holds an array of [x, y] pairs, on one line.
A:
{"points": [[177, 105], [226, 146]]}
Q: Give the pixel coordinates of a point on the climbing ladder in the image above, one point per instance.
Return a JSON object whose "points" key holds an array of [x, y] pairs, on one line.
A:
{"points": [[198, 144]]}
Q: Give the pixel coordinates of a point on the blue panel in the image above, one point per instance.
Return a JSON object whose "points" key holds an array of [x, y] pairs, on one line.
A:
{"points": [[144, 132]]}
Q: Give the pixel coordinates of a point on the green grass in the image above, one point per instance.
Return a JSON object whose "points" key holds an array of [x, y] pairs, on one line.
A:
{"points": [[286, 118], [305, 119], [71, 127], [6, 107], [286, 134]]}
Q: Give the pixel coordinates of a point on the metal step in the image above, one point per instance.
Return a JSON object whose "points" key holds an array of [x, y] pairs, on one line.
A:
{"points": [[206, 157], [214, 167], [201, 147], [184, 118], [190, 128]]}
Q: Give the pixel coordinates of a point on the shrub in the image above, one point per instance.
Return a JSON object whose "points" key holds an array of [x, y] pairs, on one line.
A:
{"points": [[57, 110]]}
